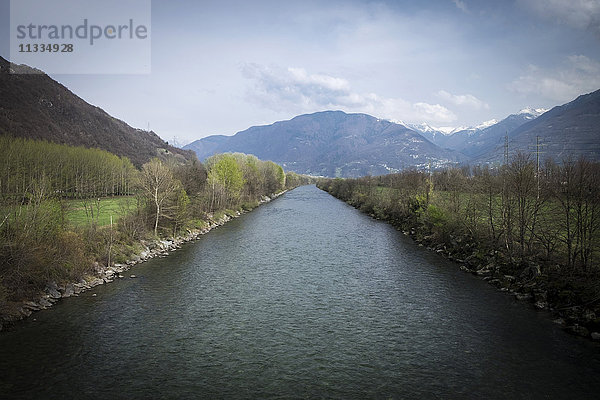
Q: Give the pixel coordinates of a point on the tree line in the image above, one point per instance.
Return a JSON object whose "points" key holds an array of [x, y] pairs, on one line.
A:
{"points": [[40, 182], [30, 166], [546, 214]]}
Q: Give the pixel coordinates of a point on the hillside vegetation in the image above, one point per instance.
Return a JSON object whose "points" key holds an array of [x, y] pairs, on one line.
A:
{"points": [[35, 106]]}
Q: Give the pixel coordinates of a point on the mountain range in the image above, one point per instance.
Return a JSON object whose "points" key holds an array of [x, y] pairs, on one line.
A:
{"points": [[33, 105], [327, 143], [487, 137], [333, 143], [569, 130]]}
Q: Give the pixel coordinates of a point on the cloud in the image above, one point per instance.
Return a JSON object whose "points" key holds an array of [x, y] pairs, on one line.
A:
{"points": [[579, 14], [461, 5], [434, 112], [316, 80], [576, 75], [466, 100], [296, 90]]}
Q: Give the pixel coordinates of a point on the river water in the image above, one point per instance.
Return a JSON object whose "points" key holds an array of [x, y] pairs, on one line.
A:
{"points": [[305, 297]]}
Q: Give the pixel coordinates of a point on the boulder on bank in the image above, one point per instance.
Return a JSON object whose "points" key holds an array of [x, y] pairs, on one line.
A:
{"points": [[52, 290], [578, 330], [69, 290], [530, 272], [45, 303]]}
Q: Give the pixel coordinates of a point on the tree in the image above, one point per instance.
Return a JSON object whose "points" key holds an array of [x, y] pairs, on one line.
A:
{"points": [[273, 177], [226, 179], [521, 177], [158, 183], [192, 176]]}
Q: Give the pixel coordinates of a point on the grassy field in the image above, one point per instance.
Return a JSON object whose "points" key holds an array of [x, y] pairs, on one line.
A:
{"points": [[103, 210]]}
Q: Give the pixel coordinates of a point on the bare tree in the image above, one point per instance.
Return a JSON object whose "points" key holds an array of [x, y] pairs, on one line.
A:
{"points": [[157, 182], [522, 186]]}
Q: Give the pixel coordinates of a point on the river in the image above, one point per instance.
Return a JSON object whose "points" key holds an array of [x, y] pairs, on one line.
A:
{"points": [[305, 297]]}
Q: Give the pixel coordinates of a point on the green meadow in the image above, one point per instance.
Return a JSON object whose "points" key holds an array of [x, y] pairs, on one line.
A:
{"points": [[99, 211]]}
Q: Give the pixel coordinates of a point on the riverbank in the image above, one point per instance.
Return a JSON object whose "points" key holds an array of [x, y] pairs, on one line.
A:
{"points": [[536, 281], [526, 281], [12, 312]]}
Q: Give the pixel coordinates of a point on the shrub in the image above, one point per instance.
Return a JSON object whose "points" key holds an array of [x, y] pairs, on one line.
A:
{"points": [[436, 216], [72, 262]]}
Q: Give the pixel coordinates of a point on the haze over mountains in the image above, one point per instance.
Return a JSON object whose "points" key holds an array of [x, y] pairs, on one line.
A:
{"points": [[334, 143], [35, 106]]}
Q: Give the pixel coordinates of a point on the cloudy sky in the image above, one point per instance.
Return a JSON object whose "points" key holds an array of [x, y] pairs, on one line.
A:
{"points": [[220, 67]]}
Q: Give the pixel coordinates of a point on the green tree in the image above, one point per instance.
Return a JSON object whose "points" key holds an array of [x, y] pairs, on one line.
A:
{"points": [[226, 179]]}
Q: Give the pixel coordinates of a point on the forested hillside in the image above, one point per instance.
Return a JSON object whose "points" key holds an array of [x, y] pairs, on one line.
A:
{"points": [[33, 105]]}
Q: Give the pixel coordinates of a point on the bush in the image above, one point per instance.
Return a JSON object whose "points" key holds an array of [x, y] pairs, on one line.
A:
{"points": [[3, 294], [436, 217], [72, 262], [249, 205], [196, 224]]}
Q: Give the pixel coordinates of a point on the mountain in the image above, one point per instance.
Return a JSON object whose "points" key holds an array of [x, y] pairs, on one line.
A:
{"points": [[476, 141], [572, 129], [438, 136], [434, 135], [207, 146], [332, 143], [483, 139], [33, 105]]}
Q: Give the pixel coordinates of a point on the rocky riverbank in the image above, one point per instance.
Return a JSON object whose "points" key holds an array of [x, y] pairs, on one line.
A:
{"points": [[526, 280], [102, 274], [573, 298]]}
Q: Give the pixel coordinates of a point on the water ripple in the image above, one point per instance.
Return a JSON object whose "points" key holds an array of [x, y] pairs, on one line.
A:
{"points": [[303, 298]]}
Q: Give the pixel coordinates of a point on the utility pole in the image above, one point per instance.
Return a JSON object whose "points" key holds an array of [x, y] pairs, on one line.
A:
{"points": [[538, 146], [429, 169], [537, 162], [506, 148], [506, 225]]}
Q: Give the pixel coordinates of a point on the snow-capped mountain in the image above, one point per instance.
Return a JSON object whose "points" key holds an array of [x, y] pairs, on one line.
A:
{"points": [[488, 135], [333, 143], [437, 134], [431, 133], [569, 130], [532, 113], [486, 124], [475, 140]]}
